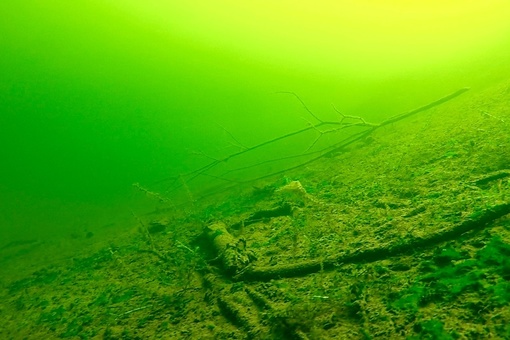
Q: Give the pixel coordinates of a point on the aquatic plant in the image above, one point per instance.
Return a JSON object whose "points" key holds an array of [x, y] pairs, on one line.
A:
{"points": [[448, 280]]}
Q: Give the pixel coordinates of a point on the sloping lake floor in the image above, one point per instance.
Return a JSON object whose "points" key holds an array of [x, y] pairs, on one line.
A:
{"points": [[403, 235]]}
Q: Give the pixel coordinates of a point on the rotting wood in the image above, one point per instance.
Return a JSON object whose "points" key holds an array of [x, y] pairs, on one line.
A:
{"points": [[476, 222], [249, 310], [500, 174], [232, 252]]}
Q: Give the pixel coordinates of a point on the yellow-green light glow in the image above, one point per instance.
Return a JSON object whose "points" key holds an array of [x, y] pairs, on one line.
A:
{"points": [[334, 35]]}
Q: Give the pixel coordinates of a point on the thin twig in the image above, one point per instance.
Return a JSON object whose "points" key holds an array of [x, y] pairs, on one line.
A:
{"points": [[133, 310], [239, 144], [302, 103]]}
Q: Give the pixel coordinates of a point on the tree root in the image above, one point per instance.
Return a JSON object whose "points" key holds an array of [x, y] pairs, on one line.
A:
{"points": [[476, 222], [249, 310]]}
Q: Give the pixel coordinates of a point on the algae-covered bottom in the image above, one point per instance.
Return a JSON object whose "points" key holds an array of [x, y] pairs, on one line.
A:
{"points": [[405, 234]]}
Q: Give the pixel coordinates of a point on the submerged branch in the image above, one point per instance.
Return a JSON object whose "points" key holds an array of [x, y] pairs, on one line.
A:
{"points": [[342, 124]]}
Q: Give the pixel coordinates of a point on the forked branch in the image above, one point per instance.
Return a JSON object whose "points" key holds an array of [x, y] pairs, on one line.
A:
{"points": [[322, 128]]}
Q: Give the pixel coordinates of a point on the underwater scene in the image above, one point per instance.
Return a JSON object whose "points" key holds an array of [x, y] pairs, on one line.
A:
{"points": [[255, 169]]}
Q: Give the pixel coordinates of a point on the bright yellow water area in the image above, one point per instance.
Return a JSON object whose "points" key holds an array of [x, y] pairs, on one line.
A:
{"points": [[336, 36]]}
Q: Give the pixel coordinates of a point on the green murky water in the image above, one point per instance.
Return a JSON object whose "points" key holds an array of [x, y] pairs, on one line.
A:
{"points": [[98, 95]]}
